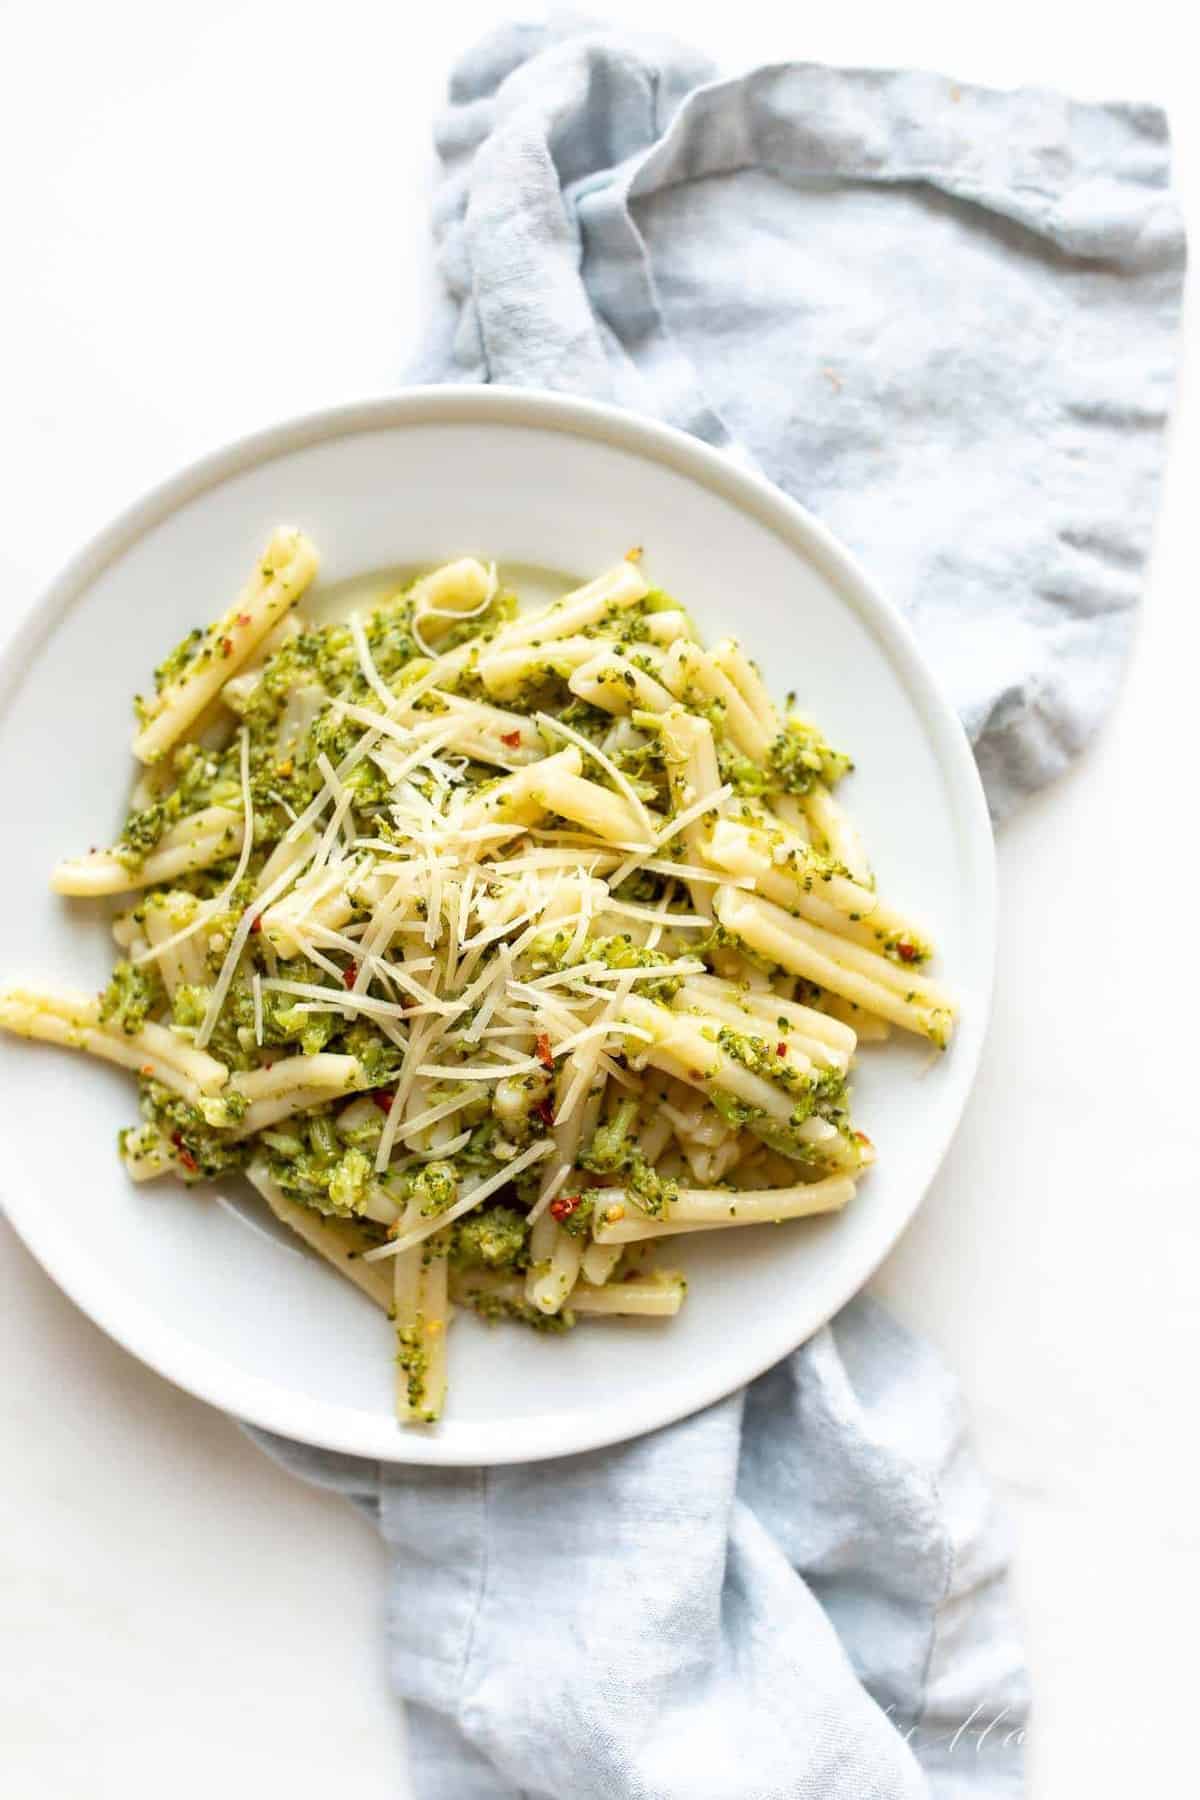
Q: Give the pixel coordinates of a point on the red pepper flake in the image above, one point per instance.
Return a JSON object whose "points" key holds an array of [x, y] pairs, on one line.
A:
{"points": [[383, 1098], [781, 1049], [185, 1156], [226, 646], [255, 924], [563, 1208], [862, 1138], [545, 1112], [147, 1068], [511, 738], [243, 618], [543, 1050], [907, 951], [349, 975]]}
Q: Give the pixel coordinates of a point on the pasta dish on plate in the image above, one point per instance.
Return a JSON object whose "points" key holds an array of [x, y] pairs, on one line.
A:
{"points": [[492, 945]]}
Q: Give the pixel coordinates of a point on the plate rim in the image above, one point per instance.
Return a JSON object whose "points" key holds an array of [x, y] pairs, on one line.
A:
{"points": [[267, 1404]]}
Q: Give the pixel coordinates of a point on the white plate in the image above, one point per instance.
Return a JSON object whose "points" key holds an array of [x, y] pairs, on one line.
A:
{"points": [[199, 1287]]}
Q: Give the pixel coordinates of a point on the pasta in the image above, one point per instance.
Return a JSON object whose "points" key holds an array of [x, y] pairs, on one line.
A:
{"points": [[491, 946]]}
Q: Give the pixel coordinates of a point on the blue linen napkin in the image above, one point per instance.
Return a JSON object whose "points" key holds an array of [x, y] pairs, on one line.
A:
{"points": [[944, 318]]}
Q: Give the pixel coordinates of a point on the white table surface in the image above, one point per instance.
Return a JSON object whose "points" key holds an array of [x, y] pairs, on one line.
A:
{"points": [[215, 216]]}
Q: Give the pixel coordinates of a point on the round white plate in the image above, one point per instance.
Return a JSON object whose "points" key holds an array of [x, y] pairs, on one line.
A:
{"points": [[197, 1284]]}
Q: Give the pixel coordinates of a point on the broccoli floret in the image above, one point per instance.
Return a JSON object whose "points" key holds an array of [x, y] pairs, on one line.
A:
{"points": [[380, 1059], [610, 1150], [493, 1239], [652, 1191], [313, 1165], [312, 1032], [130, 997], [576, 1218], [616, 952], [189, 1005], [434, 1187], [142, 830], [350, 1183], [799, 756], [223, 1110], [743, 775], [201, 1152]]}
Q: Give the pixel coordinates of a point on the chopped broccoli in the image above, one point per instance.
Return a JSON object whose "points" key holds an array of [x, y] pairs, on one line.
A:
{"points": [[496, 1238], [434, 1186], [140, 1141], [575, 1219], [799, 756], [822, 1093], [312, 1164], [201, 1152], [361, 1125], [222, 1111], [493, 1308], [350, 1183], [757, 1055], [176, 661], [610, 1152], [130, 997], [142, 829], [413, 1360], [189, 1005], [743, 774], [652, 1191], [616, 952]]}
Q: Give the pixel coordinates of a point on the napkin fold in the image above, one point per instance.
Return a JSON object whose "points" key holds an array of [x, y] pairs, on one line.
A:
{"points": [[943, 318]]}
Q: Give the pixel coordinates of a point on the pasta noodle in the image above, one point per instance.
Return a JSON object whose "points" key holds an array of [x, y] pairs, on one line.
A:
{"points": [[489, 945]]}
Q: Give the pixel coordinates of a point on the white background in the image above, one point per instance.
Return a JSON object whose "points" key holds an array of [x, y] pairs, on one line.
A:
{"points": [[215, 215]]}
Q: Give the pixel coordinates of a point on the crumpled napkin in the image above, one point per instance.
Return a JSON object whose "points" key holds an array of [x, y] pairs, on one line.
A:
{"points": [[944, 318], [798, 1594]]}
